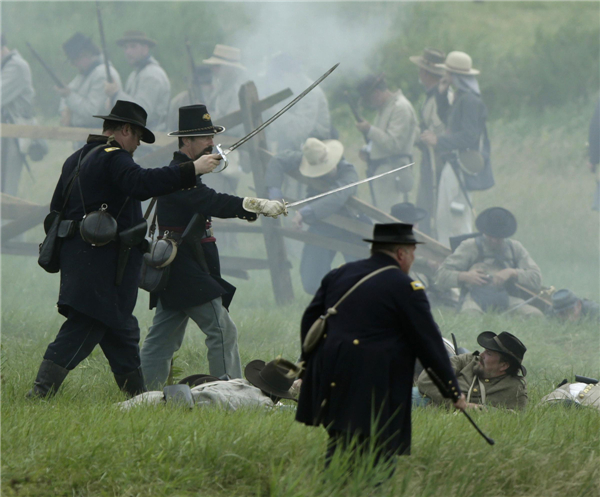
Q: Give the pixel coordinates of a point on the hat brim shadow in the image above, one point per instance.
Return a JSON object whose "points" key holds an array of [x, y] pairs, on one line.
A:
{"points": [[215, 130], [419, 61], [147, 135]]}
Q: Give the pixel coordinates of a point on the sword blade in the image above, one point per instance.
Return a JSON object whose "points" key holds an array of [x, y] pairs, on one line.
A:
{"points": [[282, 111], [356, 183]]}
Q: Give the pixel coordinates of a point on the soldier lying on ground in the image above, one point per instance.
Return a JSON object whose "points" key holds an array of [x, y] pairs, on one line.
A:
{"points": [[566, 306], [265, 385], [489, 379]]}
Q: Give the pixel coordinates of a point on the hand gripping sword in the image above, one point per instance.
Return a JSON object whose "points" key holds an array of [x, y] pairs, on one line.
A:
{"points": [[224, 152], [360, 182], [452, 394]]}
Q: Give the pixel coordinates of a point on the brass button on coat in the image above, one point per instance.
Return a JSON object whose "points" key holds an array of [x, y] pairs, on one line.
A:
{"points": [[355, 342], [333, 383]]}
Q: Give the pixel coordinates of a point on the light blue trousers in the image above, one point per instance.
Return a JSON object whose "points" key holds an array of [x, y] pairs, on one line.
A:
{"points": [[166, 336]]}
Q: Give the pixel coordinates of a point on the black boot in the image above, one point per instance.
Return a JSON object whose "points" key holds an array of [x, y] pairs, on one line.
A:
{"points": [[49, 379], [132, 383]]}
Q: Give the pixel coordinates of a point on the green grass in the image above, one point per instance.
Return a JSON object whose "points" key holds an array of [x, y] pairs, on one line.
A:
{"points": [[80, 444]]}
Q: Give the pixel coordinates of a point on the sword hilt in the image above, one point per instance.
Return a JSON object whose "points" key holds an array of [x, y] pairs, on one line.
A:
{"points": [[223, 156]]}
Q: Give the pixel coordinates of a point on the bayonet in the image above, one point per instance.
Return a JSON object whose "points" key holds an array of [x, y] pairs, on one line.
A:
{"points": [[103, 43], [224, 152], [341, 188]]}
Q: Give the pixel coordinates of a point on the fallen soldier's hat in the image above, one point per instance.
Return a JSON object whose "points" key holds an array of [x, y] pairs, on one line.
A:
{"points": [[274, 378], [505, 343]]}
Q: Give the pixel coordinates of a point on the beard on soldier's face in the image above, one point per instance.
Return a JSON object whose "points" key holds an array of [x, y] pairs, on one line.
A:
{"points": [[205, 151]]}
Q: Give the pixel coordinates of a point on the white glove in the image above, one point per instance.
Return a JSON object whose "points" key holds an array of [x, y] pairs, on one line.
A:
{"points": [[269, 208]]}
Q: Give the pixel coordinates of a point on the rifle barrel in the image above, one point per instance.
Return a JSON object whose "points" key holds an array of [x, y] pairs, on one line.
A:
{"points": [[54, 77], [103, 43]]}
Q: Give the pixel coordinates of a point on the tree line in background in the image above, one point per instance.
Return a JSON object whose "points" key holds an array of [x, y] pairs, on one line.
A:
{"points": [[532, 55]]}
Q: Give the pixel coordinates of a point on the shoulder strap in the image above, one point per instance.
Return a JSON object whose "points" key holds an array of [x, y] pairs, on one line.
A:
{"points": [[360, 282], [479, 243], [82, 160]]}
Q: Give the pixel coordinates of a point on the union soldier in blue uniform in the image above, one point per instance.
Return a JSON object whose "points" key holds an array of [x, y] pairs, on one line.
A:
{"points": [[98, 311], [358, 379], [195, 288]]}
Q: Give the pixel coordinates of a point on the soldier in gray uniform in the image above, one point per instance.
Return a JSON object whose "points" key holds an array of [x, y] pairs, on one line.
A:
{"points": [[391, 138], [323, 160], [486, 267], [566, 306], [433, 115], [148, 84], [17, 108], [84, 96], [490, 378]]}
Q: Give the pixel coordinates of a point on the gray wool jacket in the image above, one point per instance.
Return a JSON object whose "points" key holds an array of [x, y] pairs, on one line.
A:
{"points": [[148, 85], [87, 97]]}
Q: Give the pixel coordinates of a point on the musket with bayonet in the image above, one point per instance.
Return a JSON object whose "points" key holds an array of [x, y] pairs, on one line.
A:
{"points": [[103, 43], [188, 48], [224, 152], [352, 104], [54, 77]]}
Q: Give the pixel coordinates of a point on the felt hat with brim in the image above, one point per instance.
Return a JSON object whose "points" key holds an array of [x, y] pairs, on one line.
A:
{"points": [[198, 379], [194, 120], [408, 213], [273, 378], [134, 36], [132, 113], [505, 343], [459, 63], [429, 59], [563, 300], [393, 233], [225, 56], [320, 157], [79, 44], [369, 83], [496, 222]]}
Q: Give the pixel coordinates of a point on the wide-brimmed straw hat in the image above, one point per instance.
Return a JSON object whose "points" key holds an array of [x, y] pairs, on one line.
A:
{"points": [[226, 56], [394, 233], [134, 36], [320, 157], [132, 113], [459, 63], [429, 60], [194, 120], [505, 343], [273, 378], [496, 222]]}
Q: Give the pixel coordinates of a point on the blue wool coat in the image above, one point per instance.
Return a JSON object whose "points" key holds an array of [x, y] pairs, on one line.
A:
{"points": [[110, 176], [363, 368], [189, 284]]}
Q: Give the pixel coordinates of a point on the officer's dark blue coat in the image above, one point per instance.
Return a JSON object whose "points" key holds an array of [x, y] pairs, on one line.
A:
{"points": [[189, 285], [110, 176], [364, 367]]}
